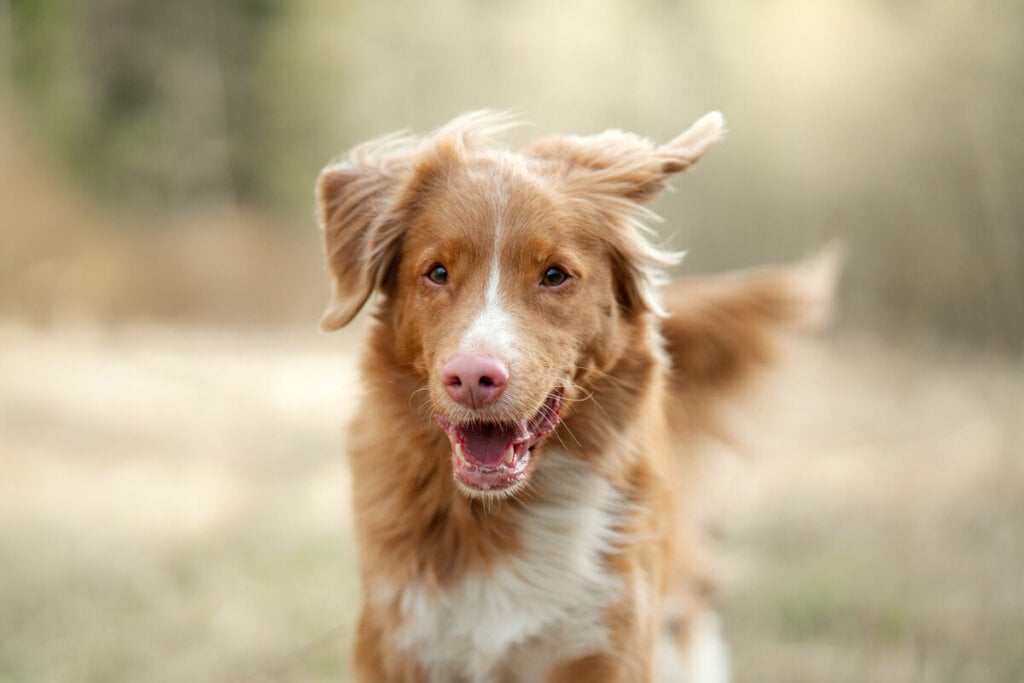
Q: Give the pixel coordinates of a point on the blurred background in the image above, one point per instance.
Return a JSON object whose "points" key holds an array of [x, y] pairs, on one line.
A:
{"points": [[173, 491]]}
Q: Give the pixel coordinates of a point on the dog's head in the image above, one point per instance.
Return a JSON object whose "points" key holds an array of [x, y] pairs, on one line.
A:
{"points": [[506, 279]]}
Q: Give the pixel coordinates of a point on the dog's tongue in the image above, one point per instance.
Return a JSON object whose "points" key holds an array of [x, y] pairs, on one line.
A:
{"points": [[485, 444]]}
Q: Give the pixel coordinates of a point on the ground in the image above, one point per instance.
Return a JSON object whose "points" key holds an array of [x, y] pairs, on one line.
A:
{"points": [[173, 507]]}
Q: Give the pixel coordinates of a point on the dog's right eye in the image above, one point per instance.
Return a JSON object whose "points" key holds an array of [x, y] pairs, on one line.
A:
{"points": [[438, 274], [554, 277]]}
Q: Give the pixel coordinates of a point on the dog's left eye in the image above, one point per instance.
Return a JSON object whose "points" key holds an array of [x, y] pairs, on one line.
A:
{"points": [[553, 277], [438, 274]]}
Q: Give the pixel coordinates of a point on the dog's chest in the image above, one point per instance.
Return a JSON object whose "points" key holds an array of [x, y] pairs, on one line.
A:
{"points": [[540, 605]]}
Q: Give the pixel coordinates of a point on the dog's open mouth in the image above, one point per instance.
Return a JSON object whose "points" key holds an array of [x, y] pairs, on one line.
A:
{"points": [[494, 456]]}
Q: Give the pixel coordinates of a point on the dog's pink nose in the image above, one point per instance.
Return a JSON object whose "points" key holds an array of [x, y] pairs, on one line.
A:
{"points": [[474, 381]]}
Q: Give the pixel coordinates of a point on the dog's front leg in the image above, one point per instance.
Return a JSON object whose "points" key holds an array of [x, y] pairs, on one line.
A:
{"points": [[629, 654], [374, 661], [599, 668]]}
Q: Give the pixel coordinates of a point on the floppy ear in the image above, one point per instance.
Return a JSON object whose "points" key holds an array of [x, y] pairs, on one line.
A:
{"points": [[612, 174], [365, 202], [353, 197], [616, 163]]}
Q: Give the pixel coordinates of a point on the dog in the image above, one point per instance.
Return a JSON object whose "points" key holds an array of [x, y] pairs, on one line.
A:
{"points": [[522, 456]]}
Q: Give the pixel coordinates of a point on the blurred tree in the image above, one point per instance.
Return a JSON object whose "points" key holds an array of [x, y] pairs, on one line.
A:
{"points": [[894, 126], [150, 101]]}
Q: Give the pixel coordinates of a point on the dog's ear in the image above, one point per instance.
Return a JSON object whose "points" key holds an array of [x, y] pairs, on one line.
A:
{"points": [[354, 199], [613, 173], [366, 201], [620, 164]]}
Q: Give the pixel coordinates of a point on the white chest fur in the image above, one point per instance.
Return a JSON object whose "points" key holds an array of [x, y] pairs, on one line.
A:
{"points": [[543, 603]]}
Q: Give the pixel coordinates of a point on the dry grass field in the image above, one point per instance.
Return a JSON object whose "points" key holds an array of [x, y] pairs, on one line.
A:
{"points": [[173, 507]]}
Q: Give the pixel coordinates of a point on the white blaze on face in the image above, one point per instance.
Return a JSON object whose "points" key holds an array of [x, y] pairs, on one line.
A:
{"points": [[492, 330]]}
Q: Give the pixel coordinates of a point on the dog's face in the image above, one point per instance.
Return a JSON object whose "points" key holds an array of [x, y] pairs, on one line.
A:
{"points": [[506, 295], [507, 279]]}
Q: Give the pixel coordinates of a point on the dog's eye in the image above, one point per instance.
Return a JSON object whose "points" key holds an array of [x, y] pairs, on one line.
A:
{"points": [[553, 277], [438, 274]]}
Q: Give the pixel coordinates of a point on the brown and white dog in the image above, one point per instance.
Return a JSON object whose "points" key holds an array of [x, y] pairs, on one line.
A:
{"points": [[521, 458]]}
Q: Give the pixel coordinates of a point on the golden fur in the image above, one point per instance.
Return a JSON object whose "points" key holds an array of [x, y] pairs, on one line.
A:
{"points": [[633, 386]]}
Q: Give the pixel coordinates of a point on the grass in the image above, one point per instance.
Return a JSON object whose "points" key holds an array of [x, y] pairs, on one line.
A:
{"points": [[173, 509], [173, 506], [887, 543]]}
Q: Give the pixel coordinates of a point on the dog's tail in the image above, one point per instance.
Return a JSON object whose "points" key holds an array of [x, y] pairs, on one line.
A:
{"points": [[722, 330]]}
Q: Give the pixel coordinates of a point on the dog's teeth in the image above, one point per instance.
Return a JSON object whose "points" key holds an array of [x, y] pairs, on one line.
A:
{"points": [[459, 452], [510, 454]]}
